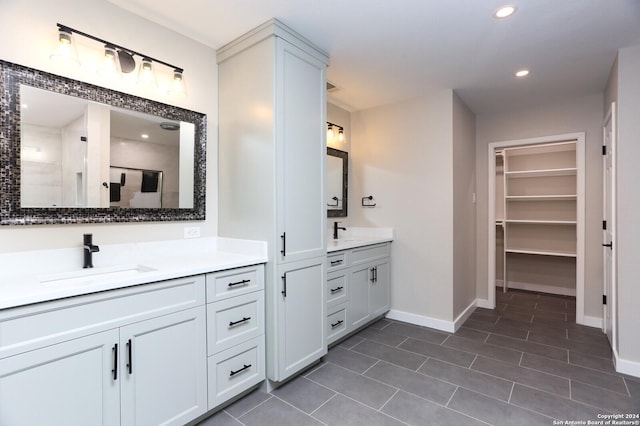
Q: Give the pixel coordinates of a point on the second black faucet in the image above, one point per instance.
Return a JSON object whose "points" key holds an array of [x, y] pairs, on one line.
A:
{"points": [[335, 229], [88, 249]]}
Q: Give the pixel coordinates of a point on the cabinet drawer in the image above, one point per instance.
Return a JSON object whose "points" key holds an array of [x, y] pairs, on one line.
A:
{"points": [[235, 370], [337, 289], [234, 320], [234, 282], [336, 260], [368, 253], [336, 323]]}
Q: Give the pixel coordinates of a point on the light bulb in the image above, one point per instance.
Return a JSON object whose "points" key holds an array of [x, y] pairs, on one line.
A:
{"points": [[178, 87], [66, 49], [341, 135], [330, 133], [146, 75], [110, 66]]}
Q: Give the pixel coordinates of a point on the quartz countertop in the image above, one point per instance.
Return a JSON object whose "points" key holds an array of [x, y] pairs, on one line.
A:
{"points": [[43, 275], [358, 237]]}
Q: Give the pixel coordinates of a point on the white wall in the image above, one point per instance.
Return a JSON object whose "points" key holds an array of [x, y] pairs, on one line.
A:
{"points": [[577, 115], [464, 221], [628, 92], [30, 25], [402, 155]]}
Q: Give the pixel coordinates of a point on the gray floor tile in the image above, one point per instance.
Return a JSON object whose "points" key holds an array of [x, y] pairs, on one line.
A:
{"points": [[418, 412], [574, 372], [303, 394], [490, 351], [469, 333], [530, 347], [490, 317], [496, 328], [390, 354], [597, 363], [560, 316], [380, 324], [221, 418], [597, 397], [470, 379], [579, 336], [525, 376], [520, 316], [417, 332], [541, 329], [341, 411], [382, 336], [349, 359], [554, 306], [552, 405], [424, 386], [350, 342], [493, 411], [277, 412], [634, 387], [594, 349], [443, 353], [247, 403], [353, 385]]}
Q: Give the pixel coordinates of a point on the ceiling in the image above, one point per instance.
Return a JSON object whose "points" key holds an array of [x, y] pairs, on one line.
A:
{"points": [[386, 51]]}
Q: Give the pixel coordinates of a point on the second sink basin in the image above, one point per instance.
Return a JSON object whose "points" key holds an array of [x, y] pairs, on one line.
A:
{"points": [[93, 274]]}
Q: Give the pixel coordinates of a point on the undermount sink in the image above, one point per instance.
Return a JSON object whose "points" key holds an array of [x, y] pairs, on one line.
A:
{"points": [[94, 274]]}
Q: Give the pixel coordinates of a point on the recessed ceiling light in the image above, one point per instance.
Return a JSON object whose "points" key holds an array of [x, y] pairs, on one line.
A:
{"points": [[144, 136], [522, 73], [504, 12]]}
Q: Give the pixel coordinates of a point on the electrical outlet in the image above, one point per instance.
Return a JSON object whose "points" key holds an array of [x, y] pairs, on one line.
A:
{"points": [[192, 232]]}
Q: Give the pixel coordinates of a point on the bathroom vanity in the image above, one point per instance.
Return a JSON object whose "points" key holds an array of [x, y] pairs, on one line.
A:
{"points": [[130, 343]]}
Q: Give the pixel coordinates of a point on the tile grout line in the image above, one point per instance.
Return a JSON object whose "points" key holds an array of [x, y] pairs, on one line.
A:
{"points": [[513, 385], [363, 373], [421, 365], [451, 397], [390, 398], [398, 345], [324, 403], [298, 409], [248, 411]]}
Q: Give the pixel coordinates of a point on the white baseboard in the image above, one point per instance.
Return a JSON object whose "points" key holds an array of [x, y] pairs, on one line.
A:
{"points": [[438, 324], [539, 287], [592, 321], [484, 303], [625, 366], [464, 315]]}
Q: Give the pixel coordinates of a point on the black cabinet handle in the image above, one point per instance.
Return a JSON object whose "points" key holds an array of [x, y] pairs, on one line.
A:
{"points": [[375, 274], [130, 361], [284, 285], [244, 319], [610, 245], [372, 276], [337, 324], [336, 262], [233, 373], [114, 370], [337, 289], [243, 282], [284, 243]]}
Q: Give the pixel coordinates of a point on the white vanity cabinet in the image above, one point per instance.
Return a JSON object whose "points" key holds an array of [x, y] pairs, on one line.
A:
{"points": [[358, 287], [272, 129], [132, 356]]}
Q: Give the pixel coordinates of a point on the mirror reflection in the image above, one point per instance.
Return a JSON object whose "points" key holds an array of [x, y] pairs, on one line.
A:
{"points": [[337, 179], [80, 153]]}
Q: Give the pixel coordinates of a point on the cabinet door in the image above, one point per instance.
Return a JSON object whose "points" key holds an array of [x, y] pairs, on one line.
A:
{"points": [[359, 288], [301, 317], [69, 383], [300, 154], [380, 289], [163, 363]]}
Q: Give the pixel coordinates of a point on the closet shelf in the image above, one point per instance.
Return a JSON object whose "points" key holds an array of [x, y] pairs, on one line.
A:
{"points": [[558, 253], [541, 222], [568, 197], [570, 171]]}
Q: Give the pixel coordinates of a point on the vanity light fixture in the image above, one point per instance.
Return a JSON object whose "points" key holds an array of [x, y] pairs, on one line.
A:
{"points": [[504, 12], [331, 133], [118, 60]]}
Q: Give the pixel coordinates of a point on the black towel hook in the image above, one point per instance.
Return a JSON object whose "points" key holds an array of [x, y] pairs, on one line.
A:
{"points": [[368, 204]]}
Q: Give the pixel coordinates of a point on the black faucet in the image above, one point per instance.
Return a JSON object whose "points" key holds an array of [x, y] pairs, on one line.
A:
{"points": [[89, 249], [335, 230]]}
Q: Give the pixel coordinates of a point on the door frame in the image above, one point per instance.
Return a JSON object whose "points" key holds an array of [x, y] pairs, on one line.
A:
{"points": [[580, 213], [611, 191]]}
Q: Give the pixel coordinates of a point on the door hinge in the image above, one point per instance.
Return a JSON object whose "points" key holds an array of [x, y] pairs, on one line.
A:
{"points": [[604, 150], [604, 299], [604, 225]]}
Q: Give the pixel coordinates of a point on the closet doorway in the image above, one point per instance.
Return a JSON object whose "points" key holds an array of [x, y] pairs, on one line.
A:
{"points": [[536, 216]]}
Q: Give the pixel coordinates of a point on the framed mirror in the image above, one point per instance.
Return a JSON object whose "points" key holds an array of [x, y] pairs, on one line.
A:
{"points": [[72, 152], [337, 182]]}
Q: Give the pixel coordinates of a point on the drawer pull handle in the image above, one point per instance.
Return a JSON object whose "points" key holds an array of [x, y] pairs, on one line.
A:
{"points": [[337, 289], [244, 319], [337, 324], [233, 373], [243, 282], [130, 363], [336, 262], [114, 370]]}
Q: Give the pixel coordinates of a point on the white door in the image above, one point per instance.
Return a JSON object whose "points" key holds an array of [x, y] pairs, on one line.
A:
{"points": [[164, 369], [301, 154], [71, 383], [609, 224]]}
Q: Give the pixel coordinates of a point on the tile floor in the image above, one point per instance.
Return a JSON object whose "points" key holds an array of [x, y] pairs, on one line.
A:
{"points": [[524, 363]]}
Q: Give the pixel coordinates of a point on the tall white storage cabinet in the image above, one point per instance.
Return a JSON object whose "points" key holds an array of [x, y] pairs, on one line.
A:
{"points": [[272, 154]]}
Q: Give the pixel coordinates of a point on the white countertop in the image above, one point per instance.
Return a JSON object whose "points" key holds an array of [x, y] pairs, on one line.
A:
{"points": [[359, 237], [43, 275]]}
